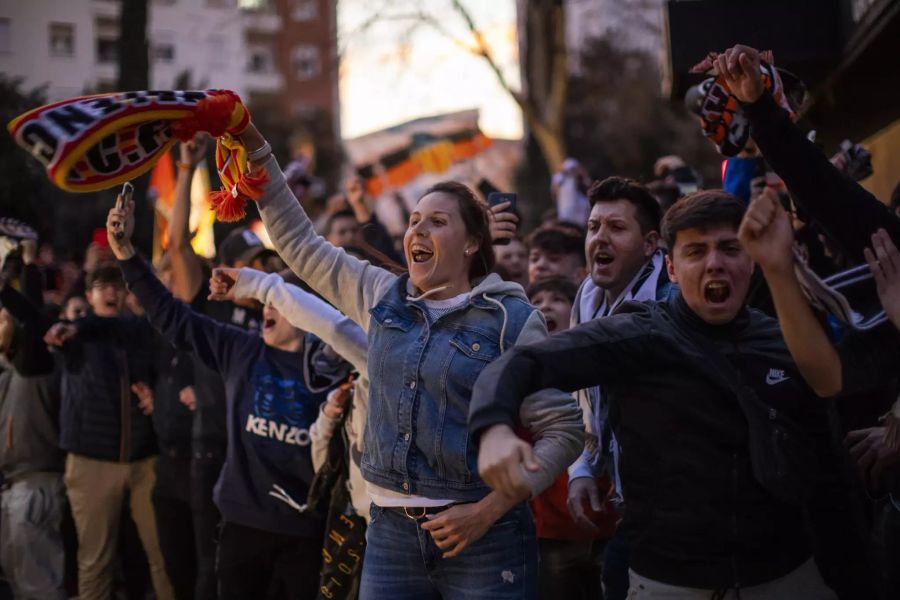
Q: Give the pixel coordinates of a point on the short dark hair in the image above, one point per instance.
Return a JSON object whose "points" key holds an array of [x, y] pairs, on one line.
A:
{"points": [[614, 188], [702, 210], [474, 215], [561, 285], [341, 214], [554, 239], [105, 273]]}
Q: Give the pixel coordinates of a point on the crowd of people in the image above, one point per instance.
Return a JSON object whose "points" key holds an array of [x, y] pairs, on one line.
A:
{"points": [[666, 390]]}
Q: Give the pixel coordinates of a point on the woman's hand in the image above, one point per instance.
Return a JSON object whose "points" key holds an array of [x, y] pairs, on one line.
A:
{"points": [[460, 526], [504, 224], [222, 282], [120, 228]]}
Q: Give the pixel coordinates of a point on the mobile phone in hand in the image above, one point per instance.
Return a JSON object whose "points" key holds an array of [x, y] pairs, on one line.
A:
{"points": [[495, 198], [121, 201]]}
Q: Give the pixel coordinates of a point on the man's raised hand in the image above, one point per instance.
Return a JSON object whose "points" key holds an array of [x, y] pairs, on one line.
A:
{"points": [[766, 233], [501, 457], [120, 228], [739, 67]]}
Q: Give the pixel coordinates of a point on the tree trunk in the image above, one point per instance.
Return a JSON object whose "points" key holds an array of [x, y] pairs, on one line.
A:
{"points": [[545, 76], [134, 74]]}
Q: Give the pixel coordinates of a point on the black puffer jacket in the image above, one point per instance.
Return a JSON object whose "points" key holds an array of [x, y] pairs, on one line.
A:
{"points": [[696, 515], [100, 417]]}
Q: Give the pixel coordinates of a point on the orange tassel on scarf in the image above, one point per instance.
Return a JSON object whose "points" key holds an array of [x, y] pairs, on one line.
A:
{"points": [[224, 116]]}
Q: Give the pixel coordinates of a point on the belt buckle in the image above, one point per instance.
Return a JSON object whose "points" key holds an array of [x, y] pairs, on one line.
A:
{"points": [[414, 517]]}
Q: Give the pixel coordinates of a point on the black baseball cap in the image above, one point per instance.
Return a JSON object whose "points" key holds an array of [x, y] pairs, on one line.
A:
{"points": [[242, 245]]}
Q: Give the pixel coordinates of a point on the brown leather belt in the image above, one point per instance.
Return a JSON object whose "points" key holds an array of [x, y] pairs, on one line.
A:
{"points": [[418, 513]]}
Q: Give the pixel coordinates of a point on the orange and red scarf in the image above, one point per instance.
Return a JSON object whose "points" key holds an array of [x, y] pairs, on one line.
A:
{"points": [[97, 142]]}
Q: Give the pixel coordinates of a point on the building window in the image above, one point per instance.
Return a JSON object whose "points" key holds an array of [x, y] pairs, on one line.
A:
{"points": [[62, 39], [5, 33], [305, 62], [107, 31], [164, 52], [107, 50], [304, 10], [260, 60]]}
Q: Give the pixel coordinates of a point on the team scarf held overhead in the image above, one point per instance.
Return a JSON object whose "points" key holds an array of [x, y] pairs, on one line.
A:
{"points": [[97, 142], [721, 117]]}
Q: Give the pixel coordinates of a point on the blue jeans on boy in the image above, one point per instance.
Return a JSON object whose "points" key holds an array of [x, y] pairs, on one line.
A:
{"points": [[403, 563]]}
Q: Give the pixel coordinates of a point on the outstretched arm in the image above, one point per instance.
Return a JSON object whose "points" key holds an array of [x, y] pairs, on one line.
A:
{"points": [[768, 238], [351, 285], [302, 309], [602, 350], [845, 210]]}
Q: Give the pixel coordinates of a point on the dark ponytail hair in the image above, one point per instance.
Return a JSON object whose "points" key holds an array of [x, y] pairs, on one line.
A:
{"points": [[474, 215]]}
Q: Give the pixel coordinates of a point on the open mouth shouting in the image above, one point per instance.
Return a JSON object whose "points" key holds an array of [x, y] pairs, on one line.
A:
{"points": [[552, 325], [717, 291], [604, 258], [420, 253], [268, 324]]}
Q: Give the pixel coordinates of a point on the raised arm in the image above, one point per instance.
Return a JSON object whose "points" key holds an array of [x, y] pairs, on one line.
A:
{"points": [[845, 210], [351, 285], [304, 311], [211, 342], [767, 236], [187, 268]]}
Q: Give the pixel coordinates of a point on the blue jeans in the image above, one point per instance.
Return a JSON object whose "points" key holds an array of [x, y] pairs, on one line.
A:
{"points": [[403, 563]]}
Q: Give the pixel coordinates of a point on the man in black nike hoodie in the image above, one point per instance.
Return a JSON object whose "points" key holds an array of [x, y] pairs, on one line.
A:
{"points": [[274, 385], [699, 520]]}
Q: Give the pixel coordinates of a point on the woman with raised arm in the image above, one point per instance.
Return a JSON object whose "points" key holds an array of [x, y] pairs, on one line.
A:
{"points": [[430, 334]]}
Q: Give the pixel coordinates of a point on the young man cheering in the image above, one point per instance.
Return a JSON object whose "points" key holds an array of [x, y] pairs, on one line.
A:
{"points": [[683, 378]]}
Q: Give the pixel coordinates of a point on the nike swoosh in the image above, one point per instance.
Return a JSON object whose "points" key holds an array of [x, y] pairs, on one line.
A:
{"points": [[775, 380]]}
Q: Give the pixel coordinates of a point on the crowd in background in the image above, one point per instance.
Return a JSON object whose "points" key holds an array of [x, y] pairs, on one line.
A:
{"points": [[196, 429]]}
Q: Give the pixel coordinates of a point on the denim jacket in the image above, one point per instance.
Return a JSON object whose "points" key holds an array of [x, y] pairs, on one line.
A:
{"points": [[421, 374]]}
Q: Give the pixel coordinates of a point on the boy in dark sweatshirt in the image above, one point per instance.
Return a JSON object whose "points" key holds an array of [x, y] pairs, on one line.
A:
{"points": [[274, 384]]}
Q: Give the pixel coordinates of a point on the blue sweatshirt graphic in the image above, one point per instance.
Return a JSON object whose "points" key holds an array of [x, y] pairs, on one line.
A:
{"points": [[272, 399]]}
